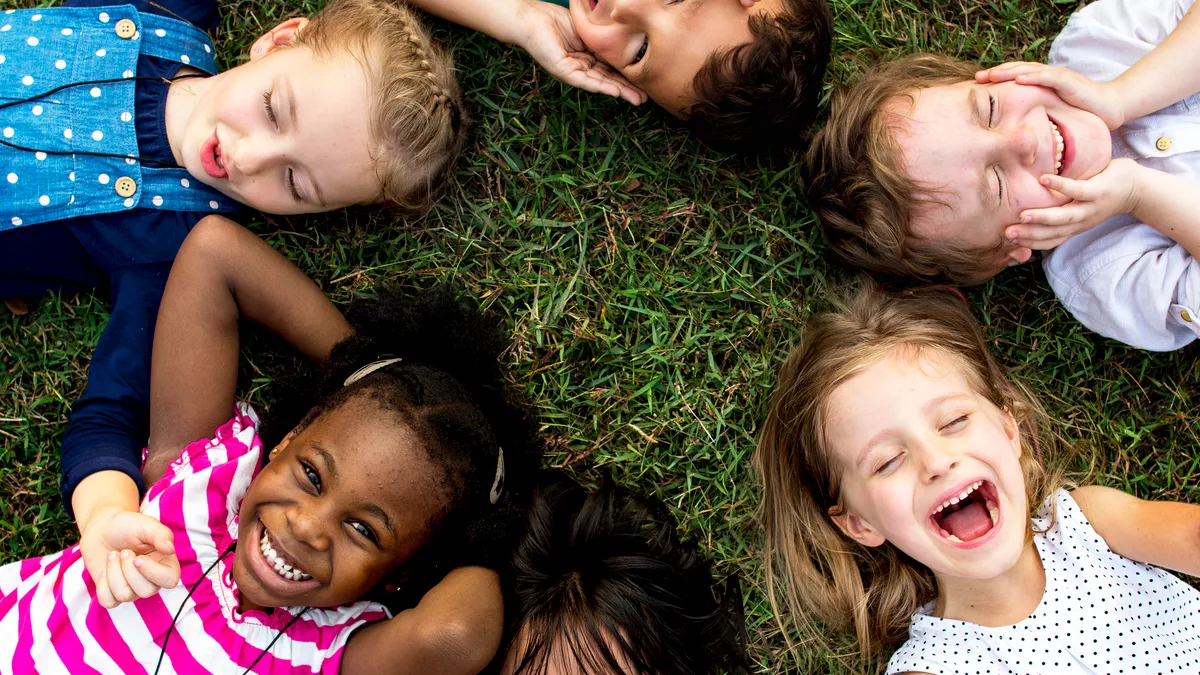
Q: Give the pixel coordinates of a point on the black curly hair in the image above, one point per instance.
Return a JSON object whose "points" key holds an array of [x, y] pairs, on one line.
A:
{"points": [[450, 390], [604, 576]]}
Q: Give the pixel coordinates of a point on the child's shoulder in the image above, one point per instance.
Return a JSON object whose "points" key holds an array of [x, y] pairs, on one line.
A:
{"points": [[236, 440]]}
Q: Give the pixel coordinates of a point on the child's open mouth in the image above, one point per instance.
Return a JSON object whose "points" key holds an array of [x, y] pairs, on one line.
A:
{"points": [[969, 516], [1063, 152], [210, 157], [277, 569]]}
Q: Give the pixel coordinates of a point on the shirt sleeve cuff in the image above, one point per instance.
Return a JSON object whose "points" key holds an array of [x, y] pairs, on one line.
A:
{"points": [[72, 475]]}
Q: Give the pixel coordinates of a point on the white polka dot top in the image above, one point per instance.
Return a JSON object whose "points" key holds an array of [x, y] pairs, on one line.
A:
{"points": [[1101, 613]]}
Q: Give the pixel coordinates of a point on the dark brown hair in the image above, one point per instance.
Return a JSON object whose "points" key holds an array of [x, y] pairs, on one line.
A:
{"points": [[763, 94]]}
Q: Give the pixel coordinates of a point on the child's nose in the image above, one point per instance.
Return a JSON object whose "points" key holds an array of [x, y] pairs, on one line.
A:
{"points": [[306, 526], [1023, 144], [936, 462], [626, 11], [252, 156]]}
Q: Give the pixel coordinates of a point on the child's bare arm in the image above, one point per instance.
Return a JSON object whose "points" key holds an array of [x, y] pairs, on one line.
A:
{"points": [[500, 19], [546, 31], [455, 629], [1167, 203], [1165, 534], [223, 272], [1161, 78], [1167, 75]]}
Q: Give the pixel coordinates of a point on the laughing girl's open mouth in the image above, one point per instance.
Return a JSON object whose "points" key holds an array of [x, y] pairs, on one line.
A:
{"points": [[969, 515]]}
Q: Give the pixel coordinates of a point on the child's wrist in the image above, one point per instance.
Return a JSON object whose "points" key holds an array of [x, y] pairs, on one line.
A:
{"points": [[521, 27], [102, 494]]}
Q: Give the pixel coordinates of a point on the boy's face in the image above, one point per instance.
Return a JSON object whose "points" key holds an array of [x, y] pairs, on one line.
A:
{"points": [[985, 147], [310, 152], [910, 434], [660, 45]]}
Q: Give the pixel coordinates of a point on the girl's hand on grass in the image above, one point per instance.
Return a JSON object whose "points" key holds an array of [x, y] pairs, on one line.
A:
{"points": [[552, 41], [129, 555], [1077, 90], [1109, 193]]}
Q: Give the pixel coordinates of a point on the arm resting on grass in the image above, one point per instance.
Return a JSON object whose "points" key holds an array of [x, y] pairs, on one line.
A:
{"points": [[223, 272], [454, 630], [500, 19], [1164, 534]]}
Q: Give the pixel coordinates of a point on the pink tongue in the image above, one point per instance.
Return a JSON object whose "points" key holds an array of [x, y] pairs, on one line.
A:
{"points": [[969, 522]]}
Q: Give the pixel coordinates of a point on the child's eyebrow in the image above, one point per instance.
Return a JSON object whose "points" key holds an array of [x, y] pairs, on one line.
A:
{"points": [[327, 460], [378, 512]]}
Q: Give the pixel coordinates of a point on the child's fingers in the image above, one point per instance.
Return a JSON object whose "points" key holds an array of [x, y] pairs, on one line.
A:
{"points": [[1075, 189], [157, 535], [103, 593], [163, 574], [138, 583], [1006, 72], [1047, 239], [1055, 216], [121, 592]]}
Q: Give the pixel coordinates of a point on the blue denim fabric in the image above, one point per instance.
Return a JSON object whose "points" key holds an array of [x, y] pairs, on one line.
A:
{"points": [[127, 252], [46, 49]]}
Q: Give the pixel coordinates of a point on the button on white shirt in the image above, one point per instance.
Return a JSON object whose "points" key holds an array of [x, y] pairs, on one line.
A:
{"points": [[1124, 279]]}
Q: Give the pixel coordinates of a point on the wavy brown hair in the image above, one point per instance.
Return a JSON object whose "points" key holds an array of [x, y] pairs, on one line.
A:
{"points": [[855, 181], [419, 121], [814, 572], [762, 95]]}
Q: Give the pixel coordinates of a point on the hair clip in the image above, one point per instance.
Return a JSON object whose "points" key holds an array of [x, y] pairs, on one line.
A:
{"points": [[368, 369], [498, 481]]}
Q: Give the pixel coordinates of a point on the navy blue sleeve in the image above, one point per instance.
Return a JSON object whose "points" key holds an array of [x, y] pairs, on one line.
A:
{"points": [[202, 14], [111, 421]]}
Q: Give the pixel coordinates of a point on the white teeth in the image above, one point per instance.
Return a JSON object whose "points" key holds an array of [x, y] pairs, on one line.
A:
{"points": [[994, 513], [1058, 146], [954, 539], [963, 495], [274, 560]]}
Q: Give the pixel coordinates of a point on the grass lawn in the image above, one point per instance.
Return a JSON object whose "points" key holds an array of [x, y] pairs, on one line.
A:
{"points": [[652, 287]]}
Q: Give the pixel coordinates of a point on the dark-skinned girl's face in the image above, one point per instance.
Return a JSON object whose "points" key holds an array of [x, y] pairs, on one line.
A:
{"points": [[341, 504]]}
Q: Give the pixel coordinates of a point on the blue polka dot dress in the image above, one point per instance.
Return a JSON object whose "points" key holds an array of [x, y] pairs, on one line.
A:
{"points": [[1101, 613]]}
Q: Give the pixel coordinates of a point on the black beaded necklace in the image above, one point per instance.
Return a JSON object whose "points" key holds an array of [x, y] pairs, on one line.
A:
{"points": [[170, 629], [144, 160]]}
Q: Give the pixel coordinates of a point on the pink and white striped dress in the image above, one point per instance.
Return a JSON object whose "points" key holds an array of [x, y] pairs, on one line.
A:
{"points": [[50, 621]]}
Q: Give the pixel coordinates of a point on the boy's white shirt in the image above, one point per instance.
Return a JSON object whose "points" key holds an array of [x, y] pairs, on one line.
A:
{"points": [[1124, 279]]}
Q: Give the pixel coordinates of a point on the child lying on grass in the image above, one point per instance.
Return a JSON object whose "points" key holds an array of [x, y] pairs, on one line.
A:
{"points": [[745, 74], [929, 169], [603, 585], [401, 484], [142, 139]]}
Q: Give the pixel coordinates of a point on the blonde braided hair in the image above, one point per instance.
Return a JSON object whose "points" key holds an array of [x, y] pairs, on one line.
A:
{"points": [[420, 123]]}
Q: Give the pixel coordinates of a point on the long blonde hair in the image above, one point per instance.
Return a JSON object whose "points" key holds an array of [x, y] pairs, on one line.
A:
{"points": [[813, 571], [419, 123]]}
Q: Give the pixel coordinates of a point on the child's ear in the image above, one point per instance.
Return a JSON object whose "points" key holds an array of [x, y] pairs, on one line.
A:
{"points": [[858, 529], [282, 445], [1019, 255], [1013, 430], [279, 36]]}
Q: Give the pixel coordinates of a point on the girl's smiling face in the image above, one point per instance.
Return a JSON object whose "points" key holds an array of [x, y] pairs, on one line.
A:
{"points": [[286, 132], [985, 147], [344, 501], [929, 465]]}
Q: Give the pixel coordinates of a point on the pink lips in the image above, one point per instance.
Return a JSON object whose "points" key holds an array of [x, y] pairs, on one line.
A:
{"points": [[210, 157]]}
